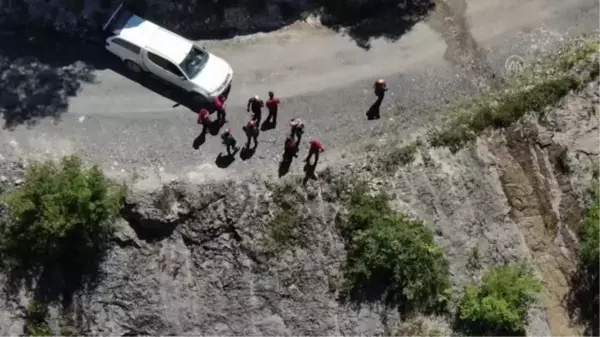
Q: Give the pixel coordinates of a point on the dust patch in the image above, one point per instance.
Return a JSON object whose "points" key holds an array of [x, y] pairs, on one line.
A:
{"points": [[450, 21]]}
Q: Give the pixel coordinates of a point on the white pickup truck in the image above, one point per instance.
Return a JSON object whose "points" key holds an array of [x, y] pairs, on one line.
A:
{"points": [[147, 47]]}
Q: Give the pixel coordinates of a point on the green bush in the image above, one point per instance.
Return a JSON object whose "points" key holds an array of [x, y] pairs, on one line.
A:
{"points": [[36, 324], [590, 235], [61, 216], [499, 304], [392, 258], [543, 84]]}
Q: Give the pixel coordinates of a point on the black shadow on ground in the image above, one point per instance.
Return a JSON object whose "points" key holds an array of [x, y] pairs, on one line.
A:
{"points": [[247, 152], [201, 139], [582, 300], [39, 73], [223, 161], [57, 280], [374, 110], [267, 125], [364, 20], [361, 19]]}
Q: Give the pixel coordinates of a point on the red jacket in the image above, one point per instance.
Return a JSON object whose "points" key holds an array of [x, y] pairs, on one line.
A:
{"points": [[219, 103], [317, 145], [272, 104], [203, 116]]}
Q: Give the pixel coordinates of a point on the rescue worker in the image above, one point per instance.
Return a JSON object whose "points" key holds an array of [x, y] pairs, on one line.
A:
{"points": [[297, 129], [316, 147], [272, 106], [255, 104], [291, 149], [219, 104], [229, 141], [380, 87], [204, 119], [251, 130]]}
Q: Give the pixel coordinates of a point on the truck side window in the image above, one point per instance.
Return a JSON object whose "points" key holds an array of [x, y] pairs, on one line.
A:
{"points": [[165, 64], [129, 46]]}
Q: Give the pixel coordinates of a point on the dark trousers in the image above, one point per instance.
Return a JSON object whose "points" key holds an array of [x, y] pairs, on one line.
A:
{"points": [[312, 152], [221, 116], [252, 137], [272, 117]]}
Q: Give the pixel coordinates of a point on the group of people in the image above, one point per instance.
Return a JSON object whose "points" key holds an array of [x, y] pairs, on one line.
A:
{"points": [[251, 128]]}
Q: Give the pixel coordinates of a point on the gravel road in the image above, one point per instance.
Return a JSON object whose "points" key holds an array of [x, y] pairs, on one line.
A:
{"points": [[322, 77]]}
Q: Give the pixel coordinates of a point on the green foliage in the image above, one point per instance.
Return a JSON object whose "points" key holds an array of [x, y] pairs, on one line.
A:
{"points": [[543, 84], [283, 231], [36, 324], [590, 235], [500, 110], [499, 304], [40, 330], [392, 257], [62, 215], [398, 156]]}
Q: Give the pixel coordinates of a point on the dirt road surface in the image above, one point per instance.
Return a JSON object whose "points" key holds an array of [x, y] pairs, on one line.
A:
{"points": [[322, 77]]}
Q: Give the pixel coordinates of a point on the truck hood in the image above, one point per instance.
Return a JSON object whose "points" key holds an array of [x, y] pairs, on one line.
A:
{"points": [[213, 74]]}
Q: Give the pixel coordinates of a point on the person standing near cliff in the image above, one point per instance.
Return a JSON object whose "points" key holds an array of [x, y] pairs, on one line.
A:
{"points": [[255, 104], [273, 107]]}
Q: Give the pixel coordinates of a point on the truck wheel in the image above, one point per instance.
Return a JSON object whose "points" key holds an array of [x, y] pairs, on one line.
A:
{"points": [[133, 67]]}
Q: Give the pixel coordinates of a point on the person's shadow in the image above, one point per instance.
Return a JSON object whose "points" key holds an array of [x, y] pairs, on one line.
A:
{"points": [[198, 141], [309, 172], [223, 161], [247, 152], [374, 109], [267, 125]]}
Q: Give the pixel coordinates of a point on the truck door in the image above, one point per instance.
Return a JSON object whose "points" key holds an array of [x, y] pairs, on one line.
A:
{"points": [[166, 70]]}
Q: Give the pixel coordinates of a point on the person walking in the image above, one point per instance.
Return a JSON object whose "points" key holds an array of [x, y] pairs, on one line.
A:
{"points": [[251, 130], [297, 129], [229, 141], [219, 105], [315, 148], [272, 106], [255, 104]]}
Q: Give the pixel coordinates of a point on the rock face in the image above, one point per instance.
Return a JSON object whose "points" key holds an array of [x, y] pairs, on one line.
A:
{"points": [[197, 259]]}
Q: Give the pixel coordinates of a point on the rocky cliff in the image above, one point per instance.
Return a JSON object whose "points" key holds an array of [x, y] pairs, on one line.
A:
{"points": [[193, 259]]}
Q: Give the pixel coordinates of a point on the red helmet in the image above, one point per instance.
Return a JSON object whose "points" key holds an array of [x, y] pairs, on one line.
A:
{"points": [[228, 130], [252, 122]]}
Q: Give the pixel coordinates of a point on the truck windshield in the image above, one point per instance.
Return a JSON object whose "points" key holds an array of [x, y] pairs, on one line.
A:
{"points": [[193, 63]]}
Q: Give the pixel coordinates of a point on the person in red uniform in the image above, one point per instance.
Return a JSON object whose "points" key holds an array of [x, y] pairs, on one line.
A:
{"points": [[297, 129], [229, 141], [219, 103], [316, 147], [204, 118], [251, 130], [255, 104], [273, 106], [380, 87], [291, 149]]}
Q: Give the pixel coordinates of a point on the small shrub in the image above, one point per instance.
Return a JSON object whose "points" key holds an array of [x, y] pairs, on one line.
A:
{"points": [[543, 84], [61, 216], [283, 232], [392, 258], [500, 110], [35, 318], [398, 156], [499, 304], [590, 235]]}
